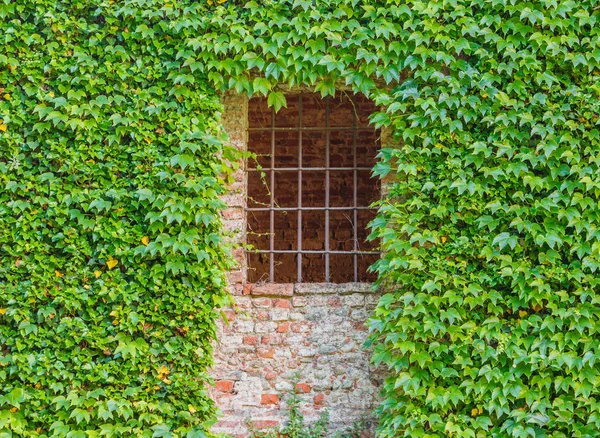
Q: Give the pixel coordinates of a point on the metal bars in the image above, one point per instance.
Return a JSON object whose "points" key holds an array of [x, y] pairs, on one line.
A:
{"points": [[306, 208], [299, 237], [354, 203], [272, 200], [351, 203], [327, 186], [268, 169]]}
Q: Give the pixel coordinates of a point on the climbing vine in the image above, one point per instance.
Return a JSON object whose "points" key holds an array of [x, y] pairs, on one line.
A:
{"points": [[112, 161], [112, 256]]}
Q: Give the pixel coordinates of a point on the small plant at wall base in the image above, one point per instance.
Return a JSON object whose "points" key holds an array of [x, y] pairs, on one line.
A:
{"points": [[295, 426]]}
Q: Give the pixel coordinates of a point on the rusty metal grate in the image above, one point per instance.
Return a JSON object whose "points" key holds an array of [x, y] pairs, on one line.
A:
{"points": [[285, 151]]}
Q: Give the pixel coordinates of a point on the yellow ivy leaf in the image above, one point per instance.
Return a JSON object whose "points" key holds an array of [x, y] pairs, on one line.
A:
{"points": [[145, 240], [522, 313], [59, 274], [3, 127], [474, 412], [86, 286], [113, 313], [97, 273], [444, 239], [7, 96], [163, 372], [192, 409], [2, 311], [51, 94], [111, 263]]}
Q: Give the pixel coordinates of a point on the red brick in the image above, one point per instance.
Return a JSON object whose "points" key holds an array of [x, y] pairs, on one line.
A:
{"points": [[319, 400], [267, 354], [274, 290], [236, 289], [261, 302], [229, 314], [300, 327], [282, 304], [263, 424], [266, 339], [240, 256], [270, 376], [269, 399], [283, 327], [263, 315], [235, 277], [224, 385], [360, 326], [248, 289], [302, 388], [229, 423], [334, 302], [250, 340], [233, 213]]}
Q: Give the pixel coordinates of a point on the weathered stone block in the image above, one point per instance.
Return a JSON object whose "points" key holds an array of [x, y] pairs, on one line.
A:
{"points": [[273, 290]]}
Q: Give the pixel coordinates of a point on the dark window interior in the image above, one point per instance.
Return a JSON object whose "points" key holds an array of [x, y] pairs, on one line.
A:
{"points": [[310, 188]]}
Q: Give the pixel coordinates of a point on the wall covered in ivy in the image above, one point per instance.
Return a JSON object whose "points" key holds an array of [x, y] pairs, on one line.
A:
{"points": [[111, 249], [109, 137]]}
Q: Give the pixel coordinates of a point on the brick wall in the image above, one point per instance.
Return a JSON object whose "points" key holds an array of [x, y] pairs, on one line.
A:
{"points": [[278, 331]]}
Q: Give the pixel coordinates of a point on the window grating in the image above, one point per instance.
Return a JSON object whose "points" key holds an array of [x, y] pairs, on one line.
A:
{"points": [[310, 188]]}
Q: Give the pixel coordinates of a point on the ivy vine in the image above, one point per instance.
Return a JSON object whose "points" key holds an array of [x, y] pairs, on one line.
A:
{"points": [[112, 256]]}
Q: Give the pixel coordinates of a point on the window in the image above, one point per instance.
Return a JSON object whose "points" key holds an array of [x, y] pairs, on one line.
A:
{"points": [[310, 188]]}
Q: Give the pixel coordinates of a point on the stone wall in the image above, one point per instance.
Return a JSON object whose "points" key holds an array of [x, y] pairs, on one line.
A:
{"points": [[281, 332]]}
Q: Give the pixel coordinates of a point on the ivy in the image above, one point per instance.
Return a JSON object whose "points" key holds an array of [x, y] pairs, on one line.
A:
{"points": [[110, 135], [490, 326], [112, 257]]}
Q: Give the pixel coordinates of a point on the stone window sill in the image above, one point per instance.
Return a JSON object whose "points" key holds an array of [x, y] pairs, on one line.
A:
{"points": [[291, 289]]}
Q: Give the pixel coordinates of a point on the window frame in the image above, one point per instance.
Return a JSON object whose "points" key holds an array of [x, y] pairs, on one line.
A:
{"points": [[327, 208]]}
